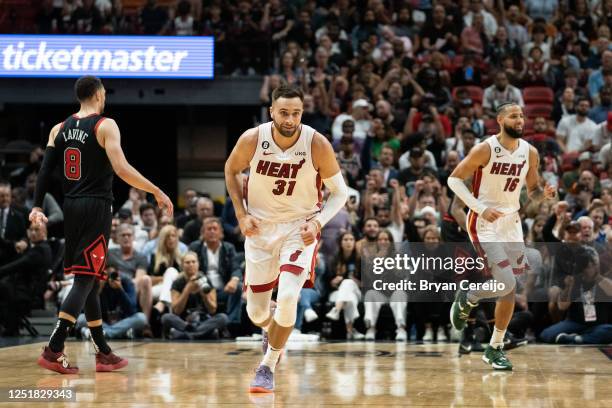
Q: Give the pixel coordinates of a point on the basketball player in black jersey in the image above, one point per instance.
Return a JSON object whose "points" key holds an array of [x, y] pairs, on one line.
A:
{"points": [[88, 147]]}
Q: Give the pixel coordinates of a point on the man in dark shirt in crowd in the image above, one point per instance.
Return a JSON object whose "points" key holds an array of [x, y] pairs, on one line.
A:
{"points": [[194, 305], [23, 281], [221, 264], [586, 296]]}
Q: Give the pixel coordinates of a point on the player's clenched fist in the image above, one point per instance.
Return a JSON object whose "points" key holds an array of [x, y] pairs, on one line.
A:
{"points": [[309, 232], [37, 217], [249, 225], [491, 214]]}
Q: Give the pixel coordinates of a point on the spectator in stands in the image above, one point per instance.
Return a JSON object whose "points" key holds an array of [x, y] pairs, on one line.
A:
{"points": [[316, 111], [439, 34], [536, 69], [473, 36], [148, 219], [369, 232], [278, 19], [499, 93], [86, 19], [359, 115], [488, 20], [539, 39], [194, 305], [12, 225], [564, 106], [186, 214], [598, 76], [131, 263], [574, 132], [140, 236], [599, 113], [184, 21], [49, 19], [154, 19], [151, 246], [23, 280], [417, 168], [469, 74], [164, 266], [120, 318], [204, 209], [344, 277], [374, 300], [221, 264], [585, 296], [516, 30]]}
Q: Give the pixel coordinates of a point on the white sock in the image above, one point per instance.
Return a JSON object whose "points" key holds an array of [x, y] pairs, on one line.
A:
{"points": [[497, 339], [271, 357]]}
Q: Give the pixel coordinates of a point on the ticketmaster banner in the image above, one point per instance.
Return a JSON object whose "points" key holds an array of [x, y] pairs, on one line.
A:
{"points": [[542, 272], [106, 56]]}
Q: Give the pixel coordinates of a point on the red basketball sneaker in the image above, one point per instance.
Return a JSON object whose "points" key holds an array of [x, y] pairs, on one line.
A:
{"points": [[57, 362], [109, 362]]}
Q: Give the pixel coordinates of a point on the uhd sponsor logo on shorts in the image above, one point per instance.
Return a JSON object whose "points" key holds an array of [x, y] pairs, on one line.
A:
{"points": [[172, 57]]}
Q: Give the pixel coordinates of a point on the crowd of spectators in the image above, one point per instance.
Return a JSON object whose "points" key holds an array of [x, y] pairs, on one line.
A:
{"points": [[403, 90]]}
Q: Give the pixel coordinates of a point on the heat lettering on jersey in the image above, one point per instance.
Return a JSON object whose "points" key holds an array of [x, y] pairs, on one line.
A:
{"points": [[279, 170], [507, 169]]}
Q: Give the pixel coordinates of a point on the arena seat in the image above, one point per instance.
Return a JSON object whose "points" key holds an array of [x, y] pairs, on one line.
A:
{"points": [[538, 95], [534, 110]]}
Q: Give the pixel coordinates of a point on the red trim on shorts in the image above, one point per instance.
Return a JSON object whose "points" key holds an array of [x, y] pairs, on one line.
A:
{"points": [[504, 264], [473, 235], [245, 191], [265, 287], [98, 123], [294, 269], [518, 271], [310, 282]]}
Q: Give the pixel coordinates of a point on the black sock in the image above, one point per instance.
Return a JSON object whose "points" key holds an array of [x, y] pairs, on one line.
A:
{"points": [[97, 336], [58, 337]]}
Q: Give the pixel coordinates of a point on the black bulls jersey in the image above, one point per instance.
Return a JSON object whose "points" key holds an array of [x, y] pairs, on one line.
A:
{"points": [[87, 171]]}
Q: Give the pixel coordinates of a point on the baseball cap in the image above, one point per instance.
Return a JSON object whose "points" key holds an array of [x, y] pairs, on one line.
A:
{"points": [[124, 213], [361, 103]]}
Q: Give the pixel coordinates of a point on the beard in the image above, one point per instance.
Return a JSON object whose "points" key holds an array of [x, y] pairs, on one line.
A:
{"points": [[283, 131], [513, 133]]}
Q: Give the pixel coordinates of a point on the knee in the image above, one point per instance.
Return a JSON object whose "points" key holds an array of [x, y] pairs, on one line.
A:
{"points": [[141, 320], [165, 319], [286, 309], [144, 282], [258, 313], [509, 285]]}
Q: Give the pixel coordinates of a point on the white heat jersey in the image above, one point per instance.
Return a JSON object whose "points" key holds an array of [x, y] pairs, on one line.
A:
{"points": [[498, 184], [283, 186]]}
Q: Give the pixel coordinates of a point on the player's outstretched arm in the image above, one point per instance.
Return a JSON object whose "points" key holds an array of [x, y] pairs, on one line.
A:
{"points": [[479, 156], [236, 163], [324, 160], [534, 191], [109, 134], [42, 182]]}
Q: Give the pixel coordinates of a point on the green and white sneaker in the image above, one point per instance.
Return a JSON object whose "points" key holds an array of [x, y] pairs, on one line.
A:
{"points": [[497, 358], [460, 311]]}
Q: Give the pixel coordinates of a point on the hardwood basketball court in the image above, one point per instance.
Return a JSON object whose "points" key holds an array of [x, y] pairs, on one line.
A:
{"points": [[186, 374]]}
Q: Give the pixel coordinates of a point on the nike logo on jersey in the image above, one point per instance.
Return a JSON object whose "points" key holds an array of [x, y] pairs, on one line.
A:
{"points": [[267, 153], [499, 155]]}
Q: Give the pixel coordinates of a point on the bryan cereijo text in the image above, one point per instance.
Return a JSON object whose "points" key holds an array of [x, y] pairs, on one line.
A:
{"points": [[427, 286]]}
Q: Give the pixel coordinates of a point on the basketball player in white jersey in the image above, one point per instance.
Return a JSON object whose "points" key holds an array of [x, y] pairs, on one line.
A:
{"points": [[500, 166], [281, 213]]}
